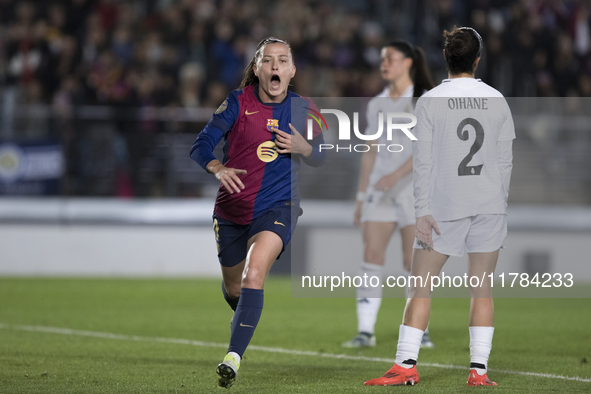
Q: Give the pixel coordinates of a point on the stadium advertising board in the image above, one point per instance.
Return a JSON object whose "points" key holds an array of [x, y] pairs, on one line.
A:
{"points": [[30, 168]]}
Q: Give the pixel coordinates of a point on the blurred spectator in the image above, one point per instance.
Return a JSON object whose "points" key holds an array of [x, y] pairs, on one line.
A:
{"points": [[144, 55], [190, 79], [532, 47], [123, 45]]}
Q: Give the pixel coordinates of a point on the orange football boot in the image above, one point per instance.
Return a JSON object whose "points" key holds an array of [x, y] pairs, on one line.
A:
{"points": [[479, 380], [396, 376]]}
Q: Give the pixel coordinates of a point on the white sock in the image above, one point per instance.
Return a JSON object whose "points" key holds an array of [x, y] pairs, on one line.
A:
{"points": [[369, 299], [480, 345], [409, 343], [236, 356]]}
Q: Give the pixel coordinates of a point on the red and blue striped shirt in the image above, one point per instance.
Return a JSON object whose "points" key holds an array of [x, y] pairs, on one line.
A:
{"points": [[246, 125]]}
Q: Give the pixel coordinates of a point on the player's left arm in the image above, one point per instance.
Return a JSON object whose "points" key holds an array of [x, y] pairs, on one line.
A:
{"points": [[505, 160], [422, 150], [505, 150], [422, 159]]}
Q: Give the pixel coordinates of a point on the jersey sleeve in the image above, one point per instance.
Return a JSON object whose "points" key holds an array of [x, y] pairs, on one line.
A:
{"points": [[220, 123], [422, 163], [372, 119], [424, 128], [507, 132], [505, 160], [317, 157]]}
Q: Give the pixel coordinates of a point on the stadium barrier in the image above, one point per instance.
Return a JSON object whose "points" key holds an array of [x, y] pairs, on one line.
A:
{"points": [[173, 237]]}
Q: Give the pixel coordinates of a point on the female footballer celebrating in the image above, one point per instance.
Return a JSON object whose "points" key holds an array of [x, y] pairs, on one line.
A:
{"points": [[258, 203], [384, 198], [462, 165]]}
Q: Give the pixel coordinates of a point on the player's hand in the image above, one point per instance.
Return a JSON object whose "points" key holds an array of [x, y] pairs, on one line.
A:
{"points": [[229, 178], [357, 214], [387, 182], [292, 143], [423, 231]]}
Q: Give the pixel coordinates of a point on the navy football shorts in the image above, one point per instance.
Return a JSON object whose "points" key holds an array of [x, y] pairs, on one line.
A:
{"points": [[232, 238]]}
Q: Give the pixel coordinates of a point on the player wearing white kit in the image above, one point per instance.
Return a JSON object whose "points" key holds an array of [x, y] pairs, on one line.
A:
{"points": [[385, 200], [462, 167]]}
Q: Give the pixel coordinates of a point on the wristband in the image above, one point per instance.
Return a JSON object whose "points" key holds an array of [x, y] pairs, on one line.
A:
{"points": [[360, 196]]}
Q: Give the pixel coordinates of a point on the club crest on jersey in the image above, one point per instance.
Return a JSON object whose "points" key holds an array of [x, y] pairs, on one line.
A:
{"points": [[267, 151], [272, 125], [222, 107]]}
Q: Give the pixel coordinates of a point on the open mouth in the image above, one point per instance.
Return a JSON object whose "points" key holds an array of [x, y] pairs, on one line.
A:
{"points": [[275, 81]]}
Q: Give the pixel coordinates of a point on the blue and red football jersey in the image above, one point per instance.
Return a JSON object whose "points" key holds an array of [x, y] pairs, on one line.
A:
{"points": [[246, 125]]}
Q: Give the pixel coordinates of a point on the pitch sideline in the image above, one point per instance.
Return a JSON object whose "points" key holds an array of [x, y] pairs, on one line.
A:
{"points": [[123, 337]]}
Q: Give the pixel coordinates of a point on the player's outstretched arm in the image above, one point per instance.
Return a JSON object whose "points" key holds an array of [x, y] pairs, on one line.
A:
{"points": [[227, 176]]}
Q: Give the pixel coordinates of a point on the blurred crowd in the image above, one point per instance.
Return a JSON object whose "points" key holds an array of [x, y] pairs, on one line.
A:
{"points": [[151, 54], [192, 52]]}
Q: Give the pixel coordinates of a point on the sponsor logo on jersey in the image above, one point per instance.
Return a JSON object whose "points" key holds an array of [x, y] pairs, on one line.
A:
{"points": [[250, 113], [272, 125], [267, 151]]}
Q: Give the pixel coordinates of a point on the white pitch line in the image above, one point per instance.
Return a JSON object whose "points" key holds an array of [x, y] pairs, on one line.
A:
{"points": [[123, 337]]}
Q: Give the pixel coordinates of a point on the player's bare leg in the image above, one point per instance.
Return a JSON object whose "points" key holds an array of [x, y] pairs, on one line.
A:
{"points": [[425, 263], [408, 238], [407, 234], [231, 285], [481, 316], [376, 236], [481, 301], [232, 278], [263, 249]]}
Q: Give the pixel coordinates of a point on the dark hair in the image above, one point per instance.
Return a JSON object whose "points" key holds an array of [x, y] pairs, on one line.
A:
{"points": [[463, 45], [419, 72], [249, 77]]}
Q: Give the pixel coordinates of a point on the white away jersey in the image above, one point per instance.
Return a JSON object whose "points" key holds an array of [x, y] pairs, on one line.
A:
{"points": [[458, 168], [387, 162]]}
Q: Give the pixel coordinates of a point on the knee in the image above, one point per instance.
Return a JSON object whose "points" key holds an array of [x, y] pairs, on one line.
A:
{"points": [[373, 256], [481, 298], [232, 289], [253, 279], [419, 292], [406, 262]]}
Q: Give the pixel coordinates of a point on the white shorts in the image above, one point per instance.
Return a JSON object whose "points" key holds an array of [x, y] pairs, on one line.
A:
{"points": [[382, 207], [476, 234]]}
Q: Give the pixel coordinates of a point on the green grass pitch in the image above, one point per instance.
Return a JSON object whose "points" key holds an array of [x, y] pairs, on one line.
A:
{"points": [[543, 336]]}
